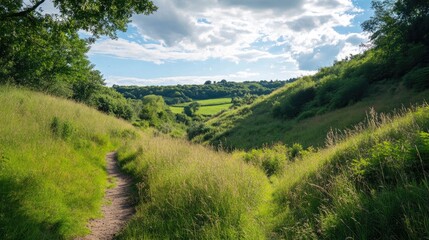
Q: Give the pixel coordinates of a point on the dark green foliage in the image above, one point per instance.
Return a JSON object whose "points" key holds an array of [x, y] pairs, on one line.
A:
{"points": [[184, 93], [247, 99], [109, 101], [85, 88], [399, 21], [191, 109], [43, 51], [273, 160], [350, 92], [98, 18], [292, 104], [196, 129], [417, 78], [39, 55], [183, 118]]}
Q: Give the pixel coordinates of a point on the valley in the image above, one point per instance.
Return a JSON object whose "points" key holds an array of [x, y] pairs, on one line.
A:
{"points": [[334, 152]]}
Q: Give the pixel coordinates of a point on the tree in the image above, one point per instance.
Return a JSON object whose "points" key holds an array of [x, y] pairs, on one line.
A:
{"points": [[99, 17], [396, 22], [223, 81], [44, 52], [191, 109], [208, 82]]}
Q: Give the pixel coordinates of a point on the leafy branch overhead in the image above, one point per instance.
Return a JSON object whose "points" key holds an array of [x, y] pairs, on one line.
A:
{"points": [[43, 50], [100, 17]]}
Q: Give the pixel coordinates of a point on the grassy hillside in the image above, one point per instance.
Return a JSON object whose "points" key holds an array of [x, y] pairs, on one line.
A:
{"points": [[52, 176], [336, 97], [373, 185], [255, 126]]}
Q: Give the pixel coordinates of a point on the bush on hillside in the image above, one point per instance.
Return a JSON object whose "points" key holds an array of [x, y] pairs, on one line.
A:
{"points": [[418, 79], [349, 92], [273, 160], [196, 129], [294, 103]]}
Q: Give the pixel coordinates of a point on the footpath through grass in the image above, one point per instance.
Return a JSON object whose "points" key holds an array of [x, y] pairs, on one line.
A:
{"points": [[52, 164]]}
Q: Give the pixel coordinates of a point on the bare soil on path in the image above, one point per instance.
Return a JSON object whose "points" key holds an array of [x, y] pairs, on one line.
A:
{"points": [[118, 207]]}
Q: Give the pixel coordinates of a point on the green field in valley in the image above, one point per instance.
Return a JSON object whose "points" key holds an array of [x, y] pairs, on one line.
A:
{"points": [[208, 106]]}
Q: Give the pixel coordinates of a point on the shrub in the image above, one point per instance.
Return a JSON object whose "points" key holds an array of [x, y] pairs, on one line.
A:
{"points": [[294, 103], [196, 129], [417, 78], [350, 92], [271, 160]]}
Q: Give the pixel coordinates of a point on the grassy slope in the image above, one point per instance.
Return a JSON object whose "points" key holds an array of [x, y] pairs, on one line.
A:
{"points": [[374, 185], [52, 176], [255, 126], [187, 191]]}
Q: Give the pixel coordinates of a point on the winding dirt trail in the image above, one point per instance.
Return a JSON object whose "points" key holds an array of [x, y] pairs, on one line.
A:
{"points": [[118, 207]]}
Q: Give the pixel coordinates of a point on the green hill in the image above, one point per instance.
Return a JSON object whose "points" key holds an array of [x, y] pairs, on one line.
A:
{"points": [[304, 111]]}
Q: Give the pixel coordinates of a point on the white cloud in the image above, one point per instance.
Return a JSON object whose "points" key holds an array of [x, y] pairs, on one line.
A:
{"points": [[235, 30], [124, 80]]}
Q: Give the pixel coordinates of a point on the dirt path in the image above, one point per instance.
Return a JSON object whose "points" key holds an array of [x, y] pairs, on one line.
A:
{"points": [[117, 209]]}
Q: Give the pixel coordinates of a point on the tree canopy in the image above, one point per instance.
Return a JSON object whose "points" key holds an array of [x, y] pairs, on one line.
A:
{"points": [[396, 22], [99, 17], [43, 51]]}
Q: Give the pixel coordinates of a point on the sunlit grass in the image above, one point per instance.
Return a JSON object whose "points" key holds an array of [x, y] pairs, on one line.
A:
{"points": [[191, 192], [364, 187], [51, 181]]}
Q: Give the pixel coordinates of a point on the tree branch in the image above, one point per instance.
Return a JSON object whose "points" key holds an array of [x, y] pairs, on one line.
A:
{"points": [[22, 13]]}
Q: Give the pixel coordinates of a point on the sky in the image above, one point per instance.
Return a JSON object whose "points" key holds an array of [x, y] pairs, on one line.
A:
{"points": [[190, 42]]}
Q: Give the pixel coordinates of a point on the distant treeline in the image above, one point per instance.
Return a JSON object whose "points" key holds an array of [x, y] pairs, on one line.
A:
{"points": [[185, 93]]}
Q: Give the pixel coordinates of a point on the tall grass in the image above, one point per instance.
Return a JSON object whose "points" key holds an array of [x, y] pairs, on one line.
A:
{"points": [[371, 185], [191, 192], [52, 166], [370, 182]]}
